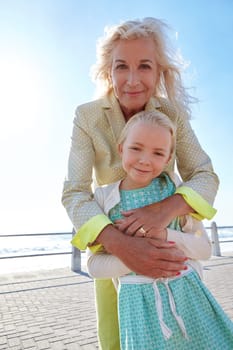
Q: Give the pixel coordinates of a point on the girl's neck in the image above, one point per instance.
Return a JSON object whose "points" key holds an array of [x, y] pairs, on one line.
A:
{"points": [[127, 184]]}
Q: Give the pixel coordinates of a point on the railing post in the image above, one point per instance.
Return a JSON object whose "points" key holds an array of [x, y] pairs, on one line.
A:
{"points": [[75, 258], [215, 239]]}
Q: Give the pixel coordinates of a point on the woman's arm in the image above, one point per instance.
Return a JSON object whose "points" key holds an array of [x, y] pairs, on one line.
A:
{"points": [[156, 216], [193, 241], [146, 256], [194, 165], [77, 197]]}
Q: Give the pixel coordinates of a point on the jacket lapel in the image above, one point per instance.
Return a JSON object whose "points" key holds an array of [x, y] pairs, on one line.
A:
{"points": [[115, 117]]}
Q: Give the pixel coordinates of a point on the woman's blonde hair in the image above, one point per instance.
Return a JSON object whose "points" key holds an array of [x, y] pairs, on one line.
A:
{"points": [[169, 83], [153, 119]]}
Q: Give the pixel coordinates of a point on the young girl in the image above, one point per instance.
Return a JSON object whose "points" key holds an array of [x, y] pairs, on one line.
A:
{"points": [[165, 313]]}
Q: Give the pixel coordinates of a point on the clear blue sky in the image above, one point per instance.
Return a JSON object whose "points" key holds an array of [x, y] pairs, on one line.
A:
{"points": [[46, 50]]}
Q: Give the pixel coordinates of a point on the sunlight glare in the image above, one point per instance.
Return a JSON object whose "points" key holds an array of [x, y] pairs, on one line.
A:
{"points": [[21, 92]]}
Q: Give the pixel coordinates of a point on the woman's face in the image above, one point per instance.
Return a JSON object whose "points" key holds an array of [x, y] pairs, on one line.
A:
{"points": [[134, 73]]}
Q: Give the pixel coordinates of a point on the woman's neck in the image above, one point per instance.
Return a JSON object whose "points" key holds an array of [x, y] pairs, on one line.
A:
{"points": [[128, 113]]}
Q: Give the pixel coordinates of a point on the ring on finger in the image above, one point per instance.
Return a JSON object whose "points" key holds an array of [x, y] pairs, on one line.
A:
{"points": [[142, 231]]}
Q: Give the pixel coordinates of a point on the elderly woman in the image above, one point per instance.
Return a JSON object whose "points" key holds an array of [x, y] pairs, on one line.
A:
{"points": [[137, 72]]}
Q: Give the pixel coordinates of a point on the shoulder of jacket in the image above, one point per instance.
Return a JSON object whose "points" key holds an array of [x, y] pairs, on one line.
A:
{"points": [[167, 107], [95, 104]]}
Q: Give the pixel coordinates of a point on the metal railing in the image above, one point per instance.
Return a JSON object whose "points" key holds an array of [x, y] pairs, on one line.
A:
{"points": [[216, 249], [76, 253], [34, 235]]}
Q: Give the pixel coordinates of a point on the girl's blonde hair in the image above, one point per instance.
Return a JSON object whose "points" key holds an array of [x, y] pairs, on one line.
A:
{"points": [[169, 83], [153, 119]]}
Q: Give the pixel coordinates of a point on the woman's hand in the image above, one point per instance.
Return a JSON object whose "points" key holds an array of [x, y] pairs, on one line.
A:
{"points": [[146, 221], [154, 217], [146, 256], [152, 233]]}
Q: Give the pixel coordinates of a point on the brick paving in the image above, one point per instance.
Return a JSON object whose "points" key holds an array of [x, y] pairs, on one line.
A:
{"points": [[54, 309], [218, 276], [47, 310]]}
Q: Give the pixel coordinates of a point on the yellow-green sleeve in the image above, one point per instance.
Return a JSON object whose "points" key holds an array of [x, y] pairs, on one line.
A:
{"points": [[89, 232], [203, 209]]}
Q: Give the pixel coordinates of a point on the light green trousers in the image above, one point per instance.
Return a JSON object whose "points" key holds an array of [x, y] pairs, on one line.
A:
{"points": [[107, 318]]}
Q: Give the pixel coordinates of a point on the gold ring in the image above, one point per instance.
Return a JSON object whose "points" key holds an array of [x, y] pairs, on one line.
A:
{"points": [[143, 231]]}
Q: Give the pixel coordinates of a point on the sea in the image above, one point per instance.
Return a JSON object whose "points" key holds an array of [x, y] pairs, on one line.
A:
{"points": [[13, 247]]}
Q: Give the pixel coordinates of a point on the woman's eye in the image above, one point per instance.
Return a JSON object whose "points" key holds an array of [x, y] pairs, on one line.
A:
{"points": [[121, 66]]}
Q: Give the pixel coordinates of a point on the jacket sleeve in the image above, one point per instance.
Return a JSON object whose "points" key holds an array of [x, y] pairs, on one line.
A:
{"points": [[77, 196], [194, 165]]}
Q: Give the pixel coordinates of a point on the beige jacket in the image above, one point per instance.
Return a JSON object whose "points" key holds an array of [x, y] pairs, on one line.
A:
{"points": [[94, 156]]}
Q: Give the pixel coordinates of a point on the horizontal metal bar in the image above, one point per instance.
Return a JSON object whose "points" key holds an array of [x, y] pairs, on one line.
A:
{"points": [[32, 255], [36, 234], [67, 233], [221, 227], [70, 233]]}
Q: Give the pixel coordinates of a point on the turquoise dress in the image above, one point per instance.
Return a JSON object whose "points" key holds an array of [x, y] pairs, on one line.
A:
{"points": [[168, 313]]}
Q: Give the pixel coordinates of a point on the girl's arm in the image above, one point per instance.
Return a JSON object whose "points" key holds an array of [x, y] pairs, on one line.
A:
{"points": [[103, 265], [193, 241]]}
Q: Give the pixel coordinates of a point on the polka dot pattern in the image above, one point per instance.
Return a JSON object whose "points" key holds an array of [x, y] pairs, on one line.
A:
{"points": [[207, 325], [94, 157]]}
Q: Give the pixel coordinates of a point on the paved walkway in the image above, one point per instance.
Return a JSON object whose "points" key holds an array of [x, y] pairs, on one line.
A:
{"points": [[55, 310]]}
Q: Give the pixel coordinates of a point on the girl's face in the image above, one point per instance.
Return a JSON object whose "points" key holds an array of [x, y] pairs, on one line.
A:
{"points": [[145, 152], [134, 73]]}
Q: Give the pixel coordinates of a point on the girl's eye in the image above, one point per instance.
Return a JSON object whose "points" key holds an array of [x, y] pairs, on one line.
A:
{"points": [[145, 66], [159, 154], [135, 148]]}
